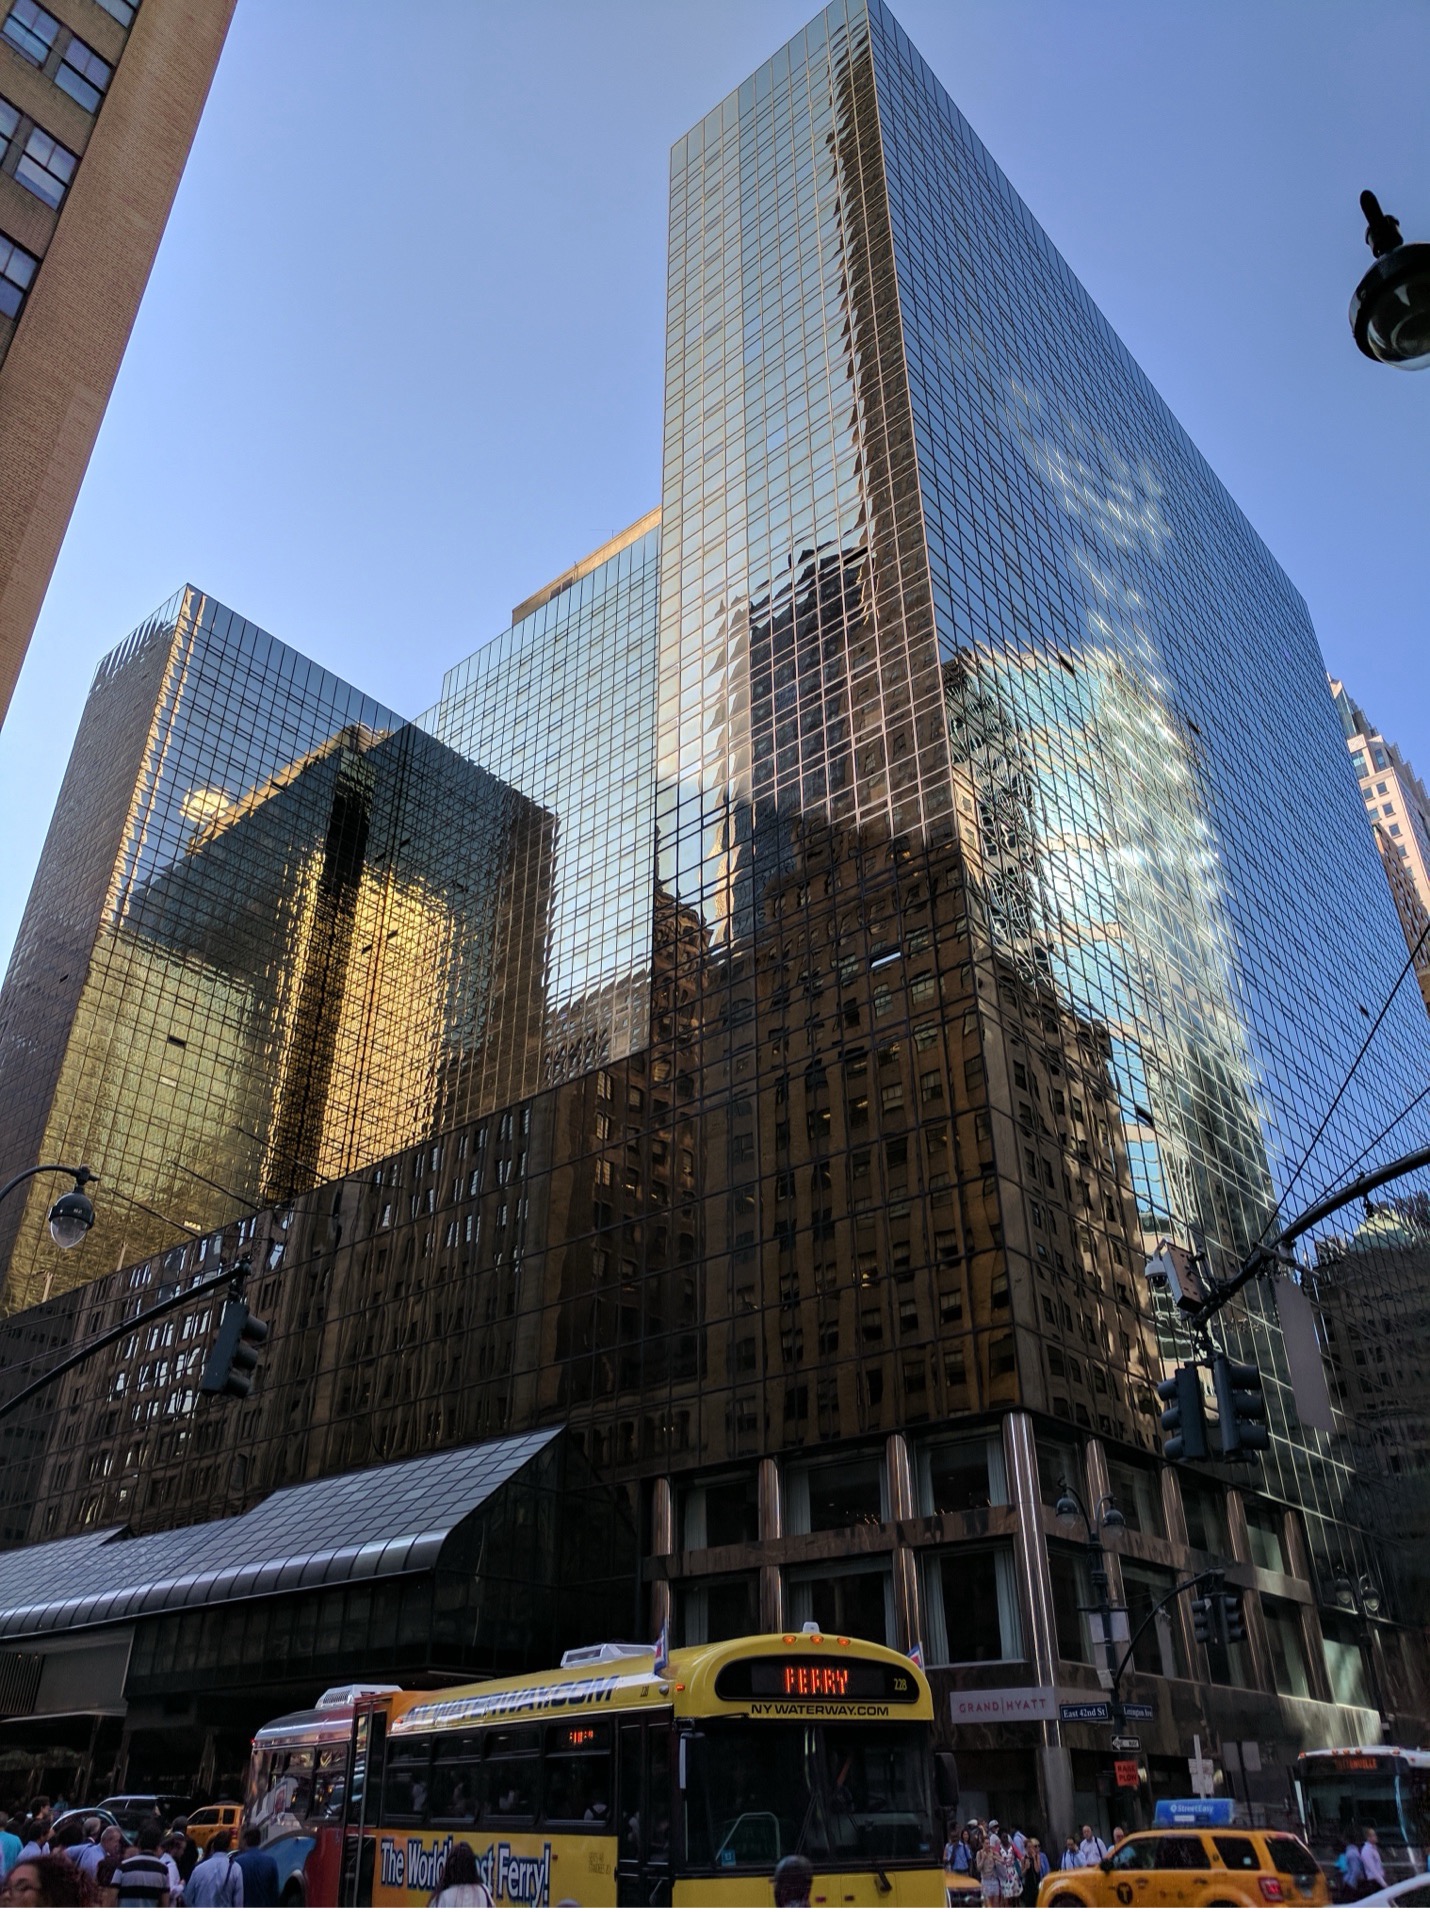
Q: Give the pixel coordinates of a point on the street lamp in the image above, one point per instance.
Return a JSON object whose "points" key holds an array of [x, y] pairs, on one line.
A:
{"points": [[72, 1216], [1390, 308]]}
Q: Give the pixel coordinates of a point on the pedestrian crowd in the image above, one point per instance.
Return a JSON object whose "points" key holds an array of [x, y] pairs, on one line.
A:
{"points": [[1010, 1866], [84, 1861]]}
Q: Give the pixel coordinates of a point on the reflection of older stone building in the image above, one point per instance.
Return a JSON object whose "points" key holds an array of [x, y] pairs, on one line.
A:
{"points": [[313, 945], [909, 959], [1373, 1292], [1397, 807]]}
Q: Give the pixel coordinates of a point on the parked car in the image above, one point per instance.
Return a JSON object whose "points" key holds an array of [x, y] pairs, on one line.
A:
{"points": [[130, 1810], [76, 1816], [1184, 1865], [1406, 1892], [205, 1821]]}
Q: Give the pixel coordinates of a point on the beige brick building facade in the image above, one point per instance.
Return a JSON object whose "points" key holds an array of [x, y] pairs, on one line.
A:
{"points": [[99, 100]]}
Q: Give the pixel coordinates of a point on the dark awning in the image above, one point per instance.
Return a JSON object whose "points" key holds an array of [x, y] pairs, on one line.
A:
{"points": [[363, 1526]]}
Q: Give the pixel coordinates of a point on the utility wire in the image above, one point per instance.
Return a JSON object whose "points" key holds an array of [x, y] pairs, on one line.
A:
{"points": [[1389, 1129], [1346, 1081]]}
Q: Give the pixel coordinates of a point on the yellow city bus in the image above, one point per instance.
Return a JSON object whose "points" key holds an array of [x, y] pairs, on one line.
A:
{"points": [[609, 1782]]}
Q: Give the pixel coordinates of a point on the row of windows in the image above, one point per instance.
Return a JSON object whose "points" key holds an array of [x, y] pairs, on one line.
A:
{"points": [[17, 270], [74, 66], [39, 162]]}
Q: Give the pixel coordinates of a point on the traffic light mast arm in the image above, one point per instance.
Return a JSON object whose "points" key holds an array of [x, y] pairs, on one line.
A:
{"points": [[1209, 1573], [1265, 1253], [185, 1295]]}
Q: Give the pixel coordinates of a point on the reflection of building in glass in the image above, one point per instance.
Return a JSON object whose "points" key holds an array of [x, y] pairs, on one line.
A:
{"points": [[320, 938], [993, 929], [1397, 808], [562, 708]]}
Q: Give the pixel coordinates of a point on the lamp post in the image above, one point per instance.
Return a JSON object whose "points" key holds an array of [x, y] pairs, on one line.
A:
{"points": [[1390, 308], [1106, 1518], [72, 1216]]}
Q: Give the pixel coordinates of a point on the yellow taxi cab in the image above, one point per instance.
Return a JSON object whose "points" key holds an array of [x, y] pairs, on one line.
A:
{"points": [[1195, 1865], [208, 1820]]}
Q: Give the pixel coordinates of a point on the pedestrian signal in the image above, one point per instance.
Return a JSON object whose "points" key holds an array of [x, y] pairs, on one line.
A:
{"points": [[1184, 1422], [1241, 1404], [234, 1355]]}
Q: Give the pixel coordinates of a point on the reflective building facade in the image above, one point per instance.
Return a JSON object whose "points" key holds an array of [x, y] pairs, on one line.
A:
{"points": [[979, 759], [276, 933]]}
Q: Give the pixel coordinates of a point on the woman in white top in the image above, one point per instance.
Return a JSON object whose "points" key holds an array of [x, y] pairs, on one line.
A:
{"points": [[461, 1884]]}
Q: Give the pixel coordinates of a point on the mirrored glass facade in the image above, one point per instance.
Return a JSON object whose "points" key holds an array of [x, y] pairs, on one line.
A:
{"points": [[851, 923], [277, 932], [562, 708]]}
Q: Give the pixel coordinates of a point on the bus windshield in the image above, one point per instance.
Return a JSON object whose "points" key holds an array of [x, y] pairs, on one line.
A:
{"points": [[1347, 1794], [293, 1787], [835, 1792]]}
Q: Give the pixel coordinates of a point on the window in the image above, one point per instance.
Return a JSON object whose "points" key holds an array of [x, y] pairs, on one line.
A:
{"points": [[1072, 1593], [1180, 1852], [1205, 1510], [17, 268], [955, 1476], [513, 1768], [1263, 1529], [971, 1599], [847, 1493], [121, 10], [1159, 1649], [857, 1603], [9, 120], [31, 31], [718, 1609], [83, 75], [1236, 1854], [405, 1788], [456, 1794], [722, 1513], [1137, 1492], [1283, 1631], [1059, 1461], [46, 168], [1345, 1663], [578, 1774]]}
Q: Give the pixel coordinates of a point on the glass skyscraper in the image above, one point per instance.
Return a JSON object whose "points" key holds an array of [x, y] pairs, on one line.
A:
{"points": [[895, 895]]}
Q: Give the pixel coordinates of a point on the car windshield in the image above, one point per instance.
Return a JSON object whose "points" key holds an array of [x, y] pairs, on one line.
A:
{"points": [[831, 1791]]}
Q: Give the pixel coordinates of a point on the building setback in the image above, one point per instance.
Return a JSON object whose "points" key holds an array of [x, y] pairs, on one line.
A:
{"points": [[979, 955], [99, 101]]}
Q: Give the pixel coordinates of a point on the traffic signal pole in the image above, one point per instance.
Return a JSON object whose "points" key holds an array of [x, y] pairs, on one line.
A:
{"points": [[233, 1277]]}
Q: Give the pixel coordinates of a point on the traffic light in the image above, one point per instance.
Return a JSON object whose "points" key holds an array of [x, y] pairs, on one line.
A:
{"points": [[1185, 1420], [1241, 1403], [234, 1355], [1205, 1617], [1233, 1615]]}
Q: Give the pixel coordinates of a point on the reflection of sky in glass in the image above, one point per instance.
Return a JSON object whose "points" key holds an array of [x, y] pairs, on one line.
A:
{"points": [[236, 710], [562, 707]]}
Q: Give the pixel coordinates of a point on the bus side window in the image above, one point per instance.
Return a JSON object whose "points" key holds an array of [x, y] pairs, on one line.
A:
{"points": [[631, 1792], [512, 1774], [660, 1791], [456, 1779], [406, 1789]]}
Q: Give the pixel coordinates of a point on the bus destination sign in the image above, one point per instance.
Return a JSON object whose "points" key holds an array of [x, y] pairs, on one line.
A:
{"points": [[816, 1678]]}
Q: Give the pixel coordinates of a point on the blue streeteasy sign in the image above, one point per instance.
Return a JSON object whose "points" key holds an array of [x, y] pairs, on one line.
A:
{"points": [[1194, 1812]]}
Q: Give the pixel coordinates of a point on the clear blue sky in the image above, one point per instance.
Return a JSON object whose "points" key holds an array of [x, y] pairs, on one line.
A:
{"points": [[400, 359]]}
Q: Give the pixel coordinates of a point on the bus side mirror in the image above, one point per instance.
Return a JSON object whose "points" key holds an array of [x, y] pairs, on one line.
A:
{"points": [[945, 1779]]}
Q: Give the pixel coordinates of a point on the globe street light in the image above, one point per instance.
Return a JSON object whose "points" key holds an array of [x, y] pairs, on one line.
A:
{"points": [[72, 1216], [1390, 308]]}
